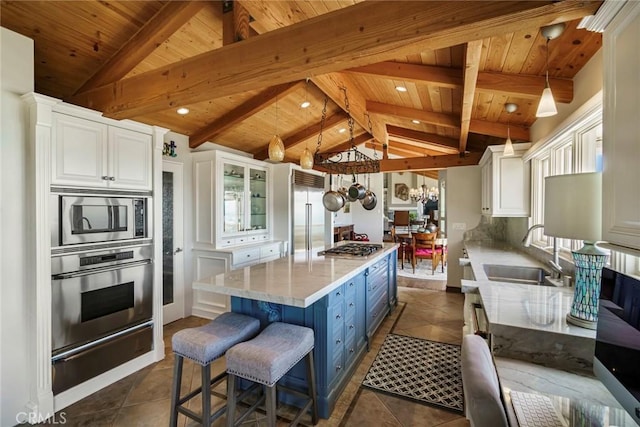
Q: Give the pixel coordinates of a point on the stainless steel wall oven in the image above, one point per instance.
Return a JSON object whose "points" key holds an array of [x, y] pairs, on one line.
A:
{"points": [[102, 308]]}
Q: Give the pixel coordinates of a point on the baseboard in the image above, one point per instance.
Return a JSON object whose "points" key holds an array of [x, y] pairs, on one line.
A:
{"points": [[454, 289]]}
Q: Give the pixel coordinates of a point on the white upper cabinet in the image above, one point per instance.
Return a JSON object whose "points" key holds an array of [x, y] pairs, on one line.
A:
{"points": [[86, 153], [621, 129], [232, 200], [505, 182]]}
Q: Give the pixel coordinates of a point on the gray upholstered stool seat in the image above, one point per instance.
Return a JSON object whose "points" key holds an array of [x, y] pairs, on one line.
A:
{"points": [[266, 359], [203, 345]]}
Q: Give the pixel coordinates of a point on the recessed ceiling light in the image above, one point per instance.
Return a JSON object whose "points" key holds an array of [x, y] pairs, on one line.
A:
{"points": [[401, 88], [182, 111], [415, 121], [342, 130], [305, 104]]}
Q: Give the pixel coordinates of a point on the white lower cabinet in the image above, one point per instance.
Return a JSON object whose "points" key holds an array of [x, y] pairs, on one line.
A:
{"points": [[211, 263]]}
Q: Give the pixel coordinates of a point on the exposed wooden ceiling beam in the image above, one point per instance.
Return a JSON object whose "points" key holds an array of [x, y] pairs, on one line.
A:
{"points": [[499, 130], [235, 22], [439, 119], [428, 140], [153, 33], [412, 150], [435, 162], [241, 112], [521, 86], [304, 134], [365, 33], [473, 51]]}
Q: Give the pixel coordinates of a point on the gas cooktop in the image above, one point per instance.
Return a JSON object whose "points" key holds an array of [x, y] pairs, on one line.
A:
{"points": [[349, 250]]}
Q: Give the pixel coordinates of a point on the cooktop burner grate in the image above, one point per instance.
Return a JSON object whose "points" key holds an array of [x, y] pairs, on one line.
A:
{"points": [[353, 249]]}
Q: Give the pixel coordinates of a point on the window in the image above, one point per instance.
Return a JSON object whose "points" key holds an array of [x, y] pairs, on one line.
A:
{"points": [[577, 149]]}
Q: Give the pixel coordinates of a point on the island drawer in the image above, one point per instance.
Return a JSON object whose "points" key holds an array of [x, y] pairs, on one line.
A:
{"points": [[336, 296], [245, 256]]}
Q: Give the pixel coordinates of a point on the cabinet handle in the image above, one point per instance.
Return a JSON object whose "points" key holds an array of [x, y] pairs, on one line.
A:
{"points": [[338, 316], [337, 294], [351, 326], [338, 367], [350, 304], [338, 341], [248, 255], [352, 350], [112, 178], [351, 284], [105, 178]]}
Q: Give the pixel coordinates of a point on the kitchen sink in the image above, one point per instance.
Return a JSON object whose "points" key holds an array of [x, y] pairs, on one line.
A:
{"points": [[516, 274]]}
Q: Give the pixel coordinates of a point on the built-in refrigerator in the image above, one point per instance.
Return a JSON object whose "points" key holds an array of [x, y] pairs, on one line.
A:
{"points": [[300, 217]]}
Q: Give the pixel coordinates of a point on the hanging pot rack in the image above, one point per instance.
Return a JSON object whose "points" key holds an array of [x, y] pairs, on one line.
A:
{"points": [[351, 161]]}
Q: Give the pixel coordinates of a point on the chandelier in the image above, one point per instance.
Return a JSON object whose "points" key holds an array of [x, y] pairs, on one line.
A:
{"points": [[424, 194], [351, 161]]}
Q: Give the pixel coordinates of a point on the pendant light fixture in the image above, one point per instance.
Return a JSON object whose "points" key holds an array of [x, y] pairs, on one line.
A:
{"points": [[547, 105], [276, 146], [510, 107], [306, 159]]}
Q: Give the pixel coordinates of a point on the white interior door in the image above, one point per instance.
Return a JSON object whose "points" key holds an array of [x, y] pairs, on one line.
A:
{"points": [[172, 242]]}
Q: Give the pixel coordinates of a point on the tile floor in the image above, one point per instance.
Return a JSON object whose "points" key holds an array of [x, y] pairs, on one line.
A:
{"points": [[424, 311]]}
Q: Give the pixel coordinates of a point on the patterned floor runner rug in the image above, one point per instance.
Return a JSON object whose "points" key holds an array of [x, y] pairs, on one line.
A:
{"points": [[421, 370]]}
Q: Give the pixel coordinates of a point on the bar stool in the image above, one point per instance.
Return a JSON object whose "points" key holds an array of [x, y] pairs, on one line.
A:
{"points": [[203, 345], [264, 360]]}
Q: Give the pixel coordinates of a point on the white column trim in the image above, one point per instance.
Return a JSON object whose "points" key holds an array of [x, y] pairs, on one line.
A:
{"points": [[40, 110]]}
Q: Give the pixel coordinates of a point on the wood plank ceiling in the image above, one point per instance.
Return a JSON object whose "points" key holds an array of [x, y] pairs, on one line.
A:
{"points": [[243, 68]]}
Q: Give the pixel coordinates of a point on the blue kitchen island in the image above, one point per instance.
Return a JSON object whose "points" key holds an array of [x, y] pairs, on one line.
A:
{"points": [[343, 299]]}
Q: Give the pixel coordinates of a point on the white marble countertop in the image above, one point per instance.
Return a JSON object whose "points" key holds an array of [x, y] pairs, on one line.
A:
{"points": [[540, 308], [297, 280]]}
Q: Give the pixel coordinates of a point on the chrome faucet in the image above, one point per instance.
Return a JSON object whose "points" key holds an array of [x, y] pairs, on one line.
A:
{"points": [[554, 263]]}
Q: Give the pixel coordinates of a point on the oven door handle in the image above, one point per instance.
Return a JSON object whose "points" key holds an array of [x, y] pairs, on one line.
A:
{"points": [[63, 276]]}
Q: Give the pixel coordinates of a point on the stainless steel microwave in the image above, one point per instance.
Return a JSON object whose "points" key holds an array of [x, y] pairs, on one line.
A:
{"points": [[79, 218]]}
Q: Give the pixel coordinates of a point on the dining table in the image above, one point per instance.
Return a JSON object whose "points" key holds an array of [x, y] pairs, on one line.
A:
{"points": [[405, 240]]}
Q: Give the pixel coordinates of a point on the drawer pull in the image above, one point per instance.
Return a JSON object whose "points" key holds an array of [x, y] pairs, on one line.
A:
{"points": [[338, 367], [351, 284], [352, 350], [351, 326], [338, 341], [350, 304], [337, 294], [338, 316]]}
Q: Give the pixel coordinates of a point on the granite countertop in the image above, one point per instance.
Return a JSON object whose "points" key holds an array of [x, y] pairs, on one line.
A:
{"points": [[297, 280]]}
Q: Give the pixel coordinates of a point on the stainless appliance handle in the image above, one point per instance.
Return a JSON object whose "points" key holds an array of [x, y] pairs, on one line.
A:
{"points": [[70, 354], [62, 276], [307, 226]]}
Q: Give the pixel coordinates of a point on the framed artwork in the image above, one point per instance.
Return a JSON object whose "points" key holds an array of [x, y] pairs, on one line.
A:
{"points": [[398, 190]]}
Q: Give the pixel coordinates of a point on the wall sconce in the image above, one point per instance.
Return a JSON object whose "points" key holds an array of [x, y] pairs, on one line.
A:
{"points": [[547, 105]]}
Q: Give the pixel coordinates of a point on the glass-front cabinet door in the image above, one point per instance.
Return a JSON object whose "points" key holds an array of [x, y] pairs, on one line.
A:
{"points": [[234, 190], [258, 204], [245, 201]]}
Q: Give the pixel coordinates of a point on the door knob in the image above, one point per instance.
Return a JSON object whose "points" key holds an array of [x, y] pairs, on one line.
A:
{"points": [[177, 250]]}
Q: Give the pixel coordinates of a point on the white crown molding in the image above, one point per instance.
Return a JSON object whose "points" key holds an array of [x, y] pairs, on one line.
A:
{"points": [[605, 14]]}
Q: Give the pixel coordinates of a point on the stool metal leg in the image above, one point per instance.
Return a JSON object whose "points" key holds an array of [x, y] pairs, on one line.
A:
{"points": [[175, 390], [271, 405], [311, 377]]}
